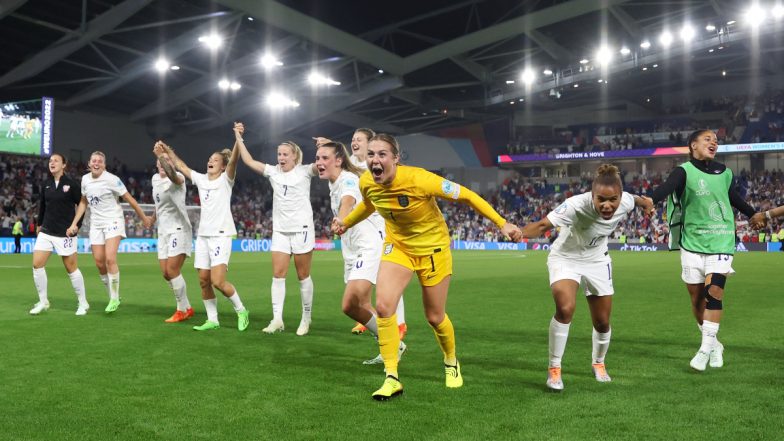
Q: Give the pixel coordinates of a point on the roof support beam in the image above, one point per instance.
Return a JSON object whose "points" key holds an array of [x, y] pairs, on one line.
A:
{"points": [[479, 72], [9, 6], [509, 28], [354, 120], [245, 65], [295, 22], [66, 45], [626, 20], [553, 49], [306, 113], [136, 69]]}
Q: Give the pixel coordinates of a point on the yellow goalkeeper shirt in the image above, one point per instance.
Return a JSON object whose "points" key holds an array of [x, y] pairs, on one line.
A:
{"points": [[414, 223]]}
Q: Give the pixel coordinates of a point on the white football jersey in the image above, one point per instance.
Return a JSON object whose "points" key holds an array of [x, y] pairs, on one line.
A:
{"points": [[584, 233], [102, 195], [170, 205], [215, 198], [376, 216], [291, 210], [369, 232]]}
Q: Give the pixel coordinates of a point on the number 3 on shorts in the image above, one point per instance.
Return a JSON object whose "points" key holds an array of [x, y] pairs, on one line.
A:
{"points": [[217, 251]]}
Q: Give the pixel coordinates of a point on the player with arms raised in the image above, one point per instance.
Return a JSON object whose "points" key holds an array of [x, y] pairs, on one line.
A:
{"points": [[293, 232], [175, 234], [216, 228]]}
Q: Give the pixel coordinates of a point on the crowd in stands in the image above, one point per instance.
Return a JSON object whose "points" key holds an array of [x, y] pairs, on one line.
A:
{"points": [[519, 199], [760, 117]]}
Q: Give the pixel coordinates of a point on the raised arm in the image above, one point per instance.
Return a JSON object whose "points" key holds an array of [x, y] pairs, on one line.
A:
{"points": [[231, 167], [254, 165], [179, 163], [166, 163]]}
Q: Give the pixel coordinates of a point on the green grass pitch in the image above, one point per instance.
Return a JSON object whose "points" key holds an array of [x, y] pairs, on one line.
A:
{"points": [[129, 376], [17, 144]]}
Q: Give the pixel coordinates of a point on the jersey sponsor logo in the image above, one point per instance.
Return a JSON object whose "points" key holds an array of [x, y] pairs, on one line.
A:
{"points": [[450, 189], [703, 191], [387, 248], [717, 211], [403, 201], [65, 188]]}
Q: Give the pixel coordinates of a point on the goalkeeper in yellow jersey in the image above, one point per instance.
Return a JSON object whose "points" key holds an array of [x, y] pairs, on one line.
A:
{"points": [[417, 241]]}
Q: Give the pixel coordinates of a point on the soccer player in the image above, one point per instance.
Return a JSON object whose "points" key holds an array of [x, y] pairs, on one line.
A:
{"points": [[418, 242], [700, 194], [175, 234], [361, 245], [292, 227], [60, 196], [579, 257], [100, 189], [216, 228], [359, 145]]}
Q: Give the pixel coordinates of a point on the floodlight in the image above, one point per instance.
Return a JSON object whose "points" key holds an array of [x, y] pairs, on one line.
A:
{"points": [[162, 65], [687, 33], [754, 16], [224, 84], [212, 41], [268, 61], [603, 56], [528, 77], [645, 44], [665, 38], [317, 79]]}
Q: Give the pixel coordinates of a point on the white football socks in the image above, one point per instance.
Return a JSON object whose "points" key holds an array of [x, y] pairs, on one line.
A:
{"points": [[401, 312], [180, 291], [41, 283], [559, 333], [600, 342], [306, 291], [77, 282], [211, 305], [236, 302], [278, 298], [372, 326], [114, 286], [709, 331]]}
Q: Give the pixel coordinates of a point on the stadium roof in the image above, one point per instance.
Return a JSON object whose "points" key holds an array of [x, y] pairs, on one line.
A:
{"points": [[403, 66]]}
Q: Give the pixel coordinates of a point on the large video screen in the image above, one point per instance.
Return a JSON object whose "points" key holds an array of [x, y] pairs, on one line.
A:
{"points": [[26, 126]]}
